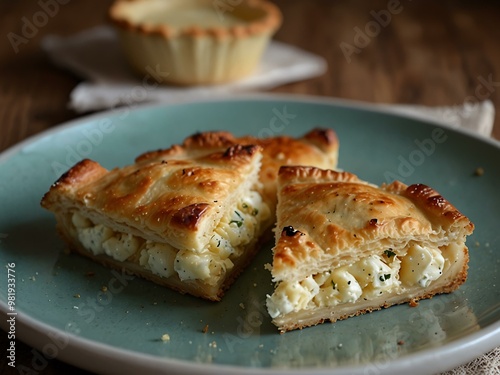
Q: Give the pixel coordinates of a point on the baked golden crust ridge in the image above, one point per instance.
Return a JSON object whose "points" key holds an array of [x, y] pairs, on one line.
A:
{"points": [[330, 220], [185, 219], [348, 212], [318, 147], [173, 199], [178, 197]]}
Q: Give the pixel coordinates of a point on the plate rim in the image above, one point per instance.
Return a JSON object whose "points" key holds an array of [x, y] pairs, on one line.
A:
{"points": [[299, 98], [468, 347], [481, 341]]}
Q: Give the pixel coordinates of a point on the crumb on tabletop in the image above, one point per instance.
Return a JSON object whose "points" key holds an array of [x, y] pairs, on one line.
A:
{"points": [[413, 303], [205, 329], [77, 295], [165, 337], [104, 288], [242, 305], [401, 342]]}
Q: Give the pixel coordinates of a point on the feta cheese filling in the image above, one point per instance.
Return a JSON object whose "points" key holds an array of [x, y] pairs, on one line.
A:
{"points": [[227, 243], [368, 278]]}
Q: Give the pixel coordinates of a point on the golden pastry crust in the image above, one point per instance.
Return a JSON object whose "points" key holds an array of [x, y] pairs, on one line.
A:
{"points": [[329, 219], [180, 201], [319, 147], [337, 211], [165, 208], [178, 195], [196, 145]]}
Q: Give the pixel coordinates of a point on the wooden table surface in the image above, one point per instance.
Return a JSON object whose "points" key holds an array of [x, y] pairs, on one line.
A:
{"points": [[429, 53]]}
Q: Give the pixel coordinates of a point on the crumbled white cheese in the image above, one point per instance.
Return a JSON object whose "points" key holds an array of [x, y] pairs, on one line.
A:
{"points": [[292, 296], [349, 289], [190, 265], [121, 246], [278, 304], [421, 265], [374, 275], [208, 264], [158, 258], [370, 277], [92, 238]]}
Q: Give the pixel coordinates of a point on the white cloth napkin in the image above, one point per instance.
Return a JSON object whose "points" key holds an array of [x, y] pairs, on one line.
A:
{"points": [[476, 117], [95, 55]]}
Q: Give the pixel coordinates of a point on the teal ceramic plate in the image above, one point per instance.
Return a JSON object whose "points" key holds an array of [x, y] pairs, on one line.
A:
{"points": [[120, 331]]}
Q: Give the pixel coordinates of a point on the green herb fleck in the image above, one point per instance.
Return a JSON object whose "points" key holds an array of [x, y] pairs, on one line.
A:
{"points": [[255, 212], [333, 285], [385, 277], [239, 223], [244, 205], [389, 253]]}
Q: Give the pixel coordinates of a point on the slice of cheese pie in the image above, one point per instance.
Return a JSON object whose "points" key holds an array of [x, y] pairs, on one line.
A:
{"points": [[189, 217], [190, 221], [345, 247]]}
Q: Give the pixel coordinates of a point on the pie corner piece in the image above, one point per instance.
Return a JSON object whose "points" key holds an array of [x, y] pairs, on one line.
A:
{"points": [[345, 247], [135, 219], [189, 217]]}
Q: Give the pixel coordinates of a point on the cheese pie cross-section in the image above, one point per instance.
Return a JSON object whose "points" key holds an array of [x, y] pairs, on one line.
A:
{"points": [[189, 223], [345, 247]]}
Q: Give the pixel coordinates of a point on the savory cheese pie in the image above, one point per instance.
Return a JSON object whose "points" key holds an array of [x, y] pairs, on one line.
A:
{"points": [[190, 222], [189, 217], [345, 247], [319, 147]]}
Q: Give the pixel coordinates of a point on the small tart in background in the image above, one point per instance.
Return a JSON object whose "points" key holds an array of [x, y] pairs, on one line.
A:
{"points": [[192, 42]]}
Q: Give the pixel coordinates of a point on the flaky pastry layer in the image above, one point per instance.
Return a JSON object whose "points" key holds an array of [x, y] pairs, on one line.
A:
{"points": [[319, 148], [345, 247], [202, 216]]}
